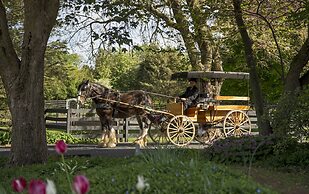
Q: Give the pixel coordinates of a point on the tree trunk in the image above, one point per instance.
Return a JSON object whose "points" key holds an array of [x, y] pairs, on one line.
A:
{"points": [[27, 109], [263, 123], [187, 36], [23, 80], [202, 33], [293, 81]]}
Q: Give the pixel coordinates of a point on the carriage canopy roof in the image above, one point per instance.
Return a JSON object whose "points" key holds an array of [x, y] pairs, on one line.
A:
{"points": [[210, 74]]}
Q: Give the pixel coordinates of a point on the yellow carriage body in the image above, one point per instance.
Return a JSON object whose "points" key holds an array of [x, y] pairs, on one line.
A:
{"points": [[215, 111]]}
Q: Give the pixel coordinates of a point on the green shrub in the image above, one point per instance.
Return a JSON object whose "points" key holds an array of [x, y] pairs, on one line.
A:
{"points": [[290, 119], [270, 150], [51, 138], [5, 137], [241, 150], [289, 152]]}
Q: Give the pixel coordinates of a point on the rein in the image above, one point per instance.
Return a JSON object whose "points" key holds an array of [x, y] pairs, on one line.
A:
{"points": [[137, 106]]}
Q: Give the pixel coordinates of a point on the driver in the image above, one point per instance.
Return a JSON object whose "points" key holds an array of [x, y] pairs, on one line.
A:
{"points": [[190, 96]]}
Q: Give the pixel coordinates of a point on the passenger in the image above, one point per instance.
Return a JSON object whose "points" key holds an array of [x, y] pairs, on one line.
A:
{"points": [[208, 92], [190, 96]]}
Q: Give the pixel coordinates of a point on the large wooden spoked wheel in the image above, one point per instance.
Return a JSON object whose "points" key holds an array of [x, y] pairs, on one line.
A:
{"points": [[180, 130], [236, 123], [157, 132]]}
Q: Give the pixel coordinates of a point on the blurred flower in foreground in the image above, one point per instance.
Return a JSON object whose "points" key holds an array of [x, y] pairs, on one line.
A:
{"points": [[81, 184], [50, 187], [19, 184], [37, 187], [61, 147], [141, 184]]}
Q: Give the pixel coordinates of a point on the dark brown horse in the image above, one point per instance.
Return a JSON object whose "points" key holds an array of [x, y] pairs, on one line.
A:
{"points": [[112, 104]]}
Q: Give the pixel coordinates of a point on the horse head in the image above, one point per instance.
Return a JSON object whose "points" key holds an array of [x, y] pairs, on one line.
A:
{"points": [[84, 91]]}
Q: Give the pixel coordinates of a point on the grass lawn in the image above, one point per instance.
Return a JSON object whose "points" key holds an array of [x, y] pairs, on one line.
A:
{"points": [[283, 180], [166, 171]]}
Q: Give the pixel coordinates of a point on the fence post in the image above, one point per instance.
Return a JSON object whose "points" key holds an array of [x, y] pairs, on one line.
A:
{"points": [[126, 129], [69, 113]]}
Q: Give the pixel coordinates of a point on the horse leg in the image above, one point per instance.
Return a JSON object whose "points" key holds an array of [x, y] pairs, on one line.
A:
{"points": [[112, 134], [104, 137], [142, 138], [145, 129], [112, 138]]}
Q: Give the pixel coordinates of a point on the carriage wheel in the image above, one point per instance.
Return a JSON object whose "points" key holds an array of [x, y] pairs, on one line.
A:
{"points": [[236, 123], [157, 132], [180, 130], [208, 135]]}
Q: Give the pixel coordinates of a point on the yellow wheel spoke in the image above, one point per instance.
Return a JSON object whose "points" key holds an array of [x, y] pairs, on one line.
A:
{"points": [[176, 127], [244, 122], [242, 129], [187, 124], [187, 135], [173, 136], [189, 131], [189, 128], [173, 131], [230, 131]]}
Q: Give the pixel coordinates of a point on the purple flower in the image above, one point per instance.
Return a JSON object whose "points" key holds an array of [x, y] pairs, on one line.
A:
{"points": [[61, 147], [37, 187], [19, 184], [81, 184]]}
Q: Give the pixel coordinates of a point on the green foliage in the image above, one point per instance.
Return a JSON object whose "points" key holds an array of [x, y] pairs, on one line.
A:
{"points": [[241, 150], [5, 137], [62, 75], [291, 117], [288, 152], [116, 69], [149, 68], [182, 171], [3, 101], [271, 151], [156, 67], [52, 137]]}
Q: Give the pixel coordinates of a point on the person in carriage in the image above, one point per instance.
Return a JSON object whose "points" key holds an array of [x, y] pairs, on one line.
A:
{"points": [[190, 96]]}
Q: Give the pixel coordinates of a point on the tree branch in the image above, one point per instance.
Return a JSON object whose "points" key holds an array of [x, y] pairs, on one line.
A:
{"points": [[9, 60], [156, 12]]}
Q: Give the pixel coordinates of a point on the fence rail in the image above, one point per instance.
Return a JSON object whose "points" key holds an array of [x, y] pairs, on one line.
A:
{"points": [[73, 120]]}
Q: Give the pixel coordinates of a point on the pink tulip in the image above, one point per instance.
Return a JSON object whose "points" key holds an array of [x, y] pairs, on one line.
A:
{"points": [[61, 147], [37, 187], [81, 184], [19, 184]]}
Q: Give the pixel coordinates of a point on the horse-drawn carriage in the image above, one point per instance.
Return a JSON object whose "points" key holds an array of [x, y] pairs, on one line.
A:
{"points": [[207, 119]]}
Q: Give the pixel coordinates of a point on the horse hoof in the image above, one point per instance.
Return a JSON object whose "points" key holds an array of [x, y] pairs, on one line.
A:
{"points": [[111, 145], [102, 145], [140, 143]]}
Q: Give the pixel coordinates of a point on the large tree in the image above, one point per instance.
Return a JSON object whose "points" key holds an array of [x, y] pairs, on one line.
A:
{"points": [[297, 74], [23, 73]]}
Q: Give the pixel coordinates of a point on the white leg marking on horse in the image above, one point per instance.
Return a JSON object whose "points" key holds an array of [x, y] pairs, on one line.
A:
{"points": [[112, 138]]}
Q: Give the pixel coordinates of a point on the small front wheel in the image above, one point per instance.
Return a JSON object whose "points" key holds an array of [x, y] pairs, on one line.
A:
{"points": [[157, 132], [180, 130]]}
